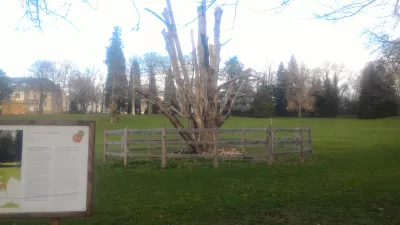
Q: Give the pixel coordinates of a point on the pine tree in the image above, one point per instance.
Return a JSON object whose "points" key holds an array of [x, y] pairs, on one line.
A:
{"points": [[280, 90], [116, 83]]}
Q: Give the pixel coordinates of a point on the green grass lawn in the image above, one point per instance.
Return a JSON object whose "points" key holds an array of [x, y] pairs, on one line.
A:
{"points": [[353, 178], [9, 172]]}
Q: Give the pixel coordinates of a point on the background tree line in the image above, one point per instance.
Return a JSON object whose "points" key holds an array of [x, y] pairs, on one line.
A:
{"points": [[293, 89], [331, 90]]}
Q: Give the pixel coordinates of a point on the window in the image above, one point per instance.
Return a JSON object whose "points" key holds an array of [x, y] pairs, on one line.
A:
{"points": [[17, 95], [34, 96]]}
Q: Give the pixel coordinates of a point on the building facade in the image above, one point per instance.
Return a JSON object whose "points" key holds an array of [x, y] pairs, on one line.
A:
{"points": [[27, 91]]}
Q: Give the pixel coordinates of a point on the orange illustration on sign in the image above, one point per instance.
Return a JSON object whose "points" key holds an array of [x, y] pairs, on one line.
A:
{"points": [[77, 138]]}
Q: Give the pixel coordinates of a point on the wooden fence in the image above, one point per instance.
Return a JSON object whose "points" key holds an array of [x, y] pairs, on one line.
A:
{"points": [[157, 143]]}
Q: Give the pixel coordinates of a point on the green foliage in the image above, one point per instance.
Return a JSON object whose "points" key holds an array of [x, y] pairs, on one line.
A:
{"points": [[10, 146], [116, 66], [5, 86], [326, 96], [151, 64], [280, 91], [263, 105], [135, 75], [377, 97], [352, 179], [232, 68], [327, 99]]}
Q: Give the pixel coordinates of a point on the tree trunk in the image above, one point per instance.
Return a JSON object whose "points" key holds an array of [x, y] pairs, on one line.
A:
{"points": [[41, 98], [198, 98], [398, 109], [113, 107], [149, 108], [299, 114]]}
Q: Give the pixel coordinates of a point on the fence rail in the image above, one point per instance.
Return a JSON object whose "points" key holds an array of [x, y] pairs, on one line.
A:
{"points": [[122, 144]]}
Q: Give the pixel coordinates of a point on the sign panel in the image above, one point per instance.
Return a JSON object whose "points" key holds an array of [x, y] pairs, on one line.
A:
{"points": [[46, 168]]}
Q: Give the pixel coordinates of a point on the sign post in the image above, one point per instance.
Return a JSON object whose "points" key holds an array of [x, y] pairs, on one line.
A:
{"points": [[46, 169], [56, 221]]}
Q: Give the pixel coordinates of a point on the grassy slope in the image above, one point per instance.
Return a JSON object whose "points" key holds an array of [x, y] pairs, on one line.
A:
{"points": [[354, 178]]}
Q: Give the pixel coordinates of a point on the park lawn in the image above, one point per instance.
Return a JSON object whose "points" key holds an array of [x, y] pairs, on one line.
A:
{"points": [[353, 178], [9, 172]]}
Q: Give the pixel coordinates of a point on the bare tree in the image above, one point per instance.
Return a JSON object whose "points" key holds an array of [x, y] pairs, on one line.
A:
{"points": [[299, 93], [393, 66], [43, 70], [200, 97], [37, 10], [97, 89], [151, 62], [169, 82], [83, 88], [65, 71]]}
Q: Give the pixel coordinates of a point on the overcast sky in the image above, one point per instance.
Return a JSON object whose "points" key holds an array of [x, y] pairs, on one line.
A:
{"points": [[257, 38]]}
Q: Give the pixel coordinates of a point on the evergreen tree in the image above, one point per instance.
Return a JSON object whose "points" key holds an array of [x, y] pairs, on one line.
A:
{"points": [[5, 86], [327, 100], [151, 65], [280, 90], [263, 105], [377, 95], [232, 68], [116, 82], [136, 76]]}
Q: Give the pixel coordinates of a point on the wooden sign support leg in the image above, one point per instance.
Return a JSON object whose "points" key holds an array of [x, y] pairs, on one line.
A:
{"points": [[56, 221]]}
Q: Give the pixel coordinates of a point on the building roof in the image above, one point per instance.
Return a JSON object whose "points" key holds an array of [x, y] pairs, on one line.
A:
{"points": [[21, 83]]}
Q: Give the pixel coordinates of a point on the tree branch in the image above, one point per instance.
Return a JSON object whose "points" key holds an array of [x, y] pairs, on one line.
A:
{"points": [[156, 15]]}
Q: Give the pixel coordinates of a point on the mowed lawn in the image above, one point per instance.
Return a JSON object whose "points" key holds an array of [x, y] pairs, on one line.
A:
{"points": [[353, 178]]}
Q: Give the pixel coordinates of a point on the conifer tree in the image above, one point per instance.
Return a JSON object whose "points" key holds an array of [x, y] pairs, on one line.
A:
{"points": [[279, 94], [377, 96], [116, 83]]}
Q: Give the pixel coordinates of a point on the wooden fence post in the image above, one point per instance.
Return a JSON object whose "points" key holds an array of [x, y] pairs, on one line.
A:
{"points": [[125, 143], [270, 145], [105, 146], [309, 142], [164, 148], [149, 150], [302, 145], [244, 143], [178, 136], [216, 137], [267, 142], [272, 141]]}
